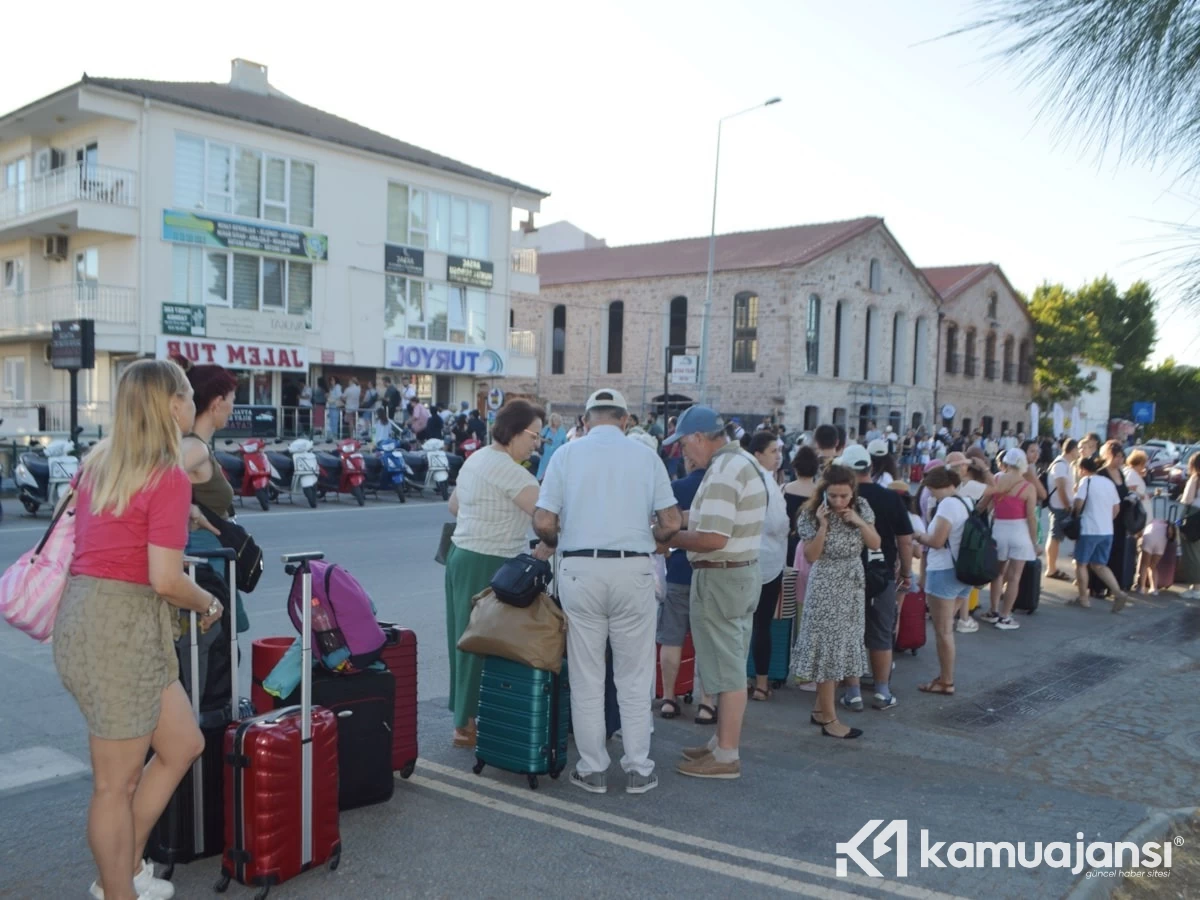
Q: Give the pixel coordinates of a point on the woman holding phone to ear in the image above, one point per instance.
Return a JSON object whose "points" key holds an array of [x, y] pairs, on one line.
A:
{"points": [[835, 525]]}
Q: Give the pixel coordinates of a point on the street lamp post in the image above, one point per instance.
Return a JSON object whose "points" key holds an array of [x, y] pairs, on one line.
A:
{"points": [[712, 251]]}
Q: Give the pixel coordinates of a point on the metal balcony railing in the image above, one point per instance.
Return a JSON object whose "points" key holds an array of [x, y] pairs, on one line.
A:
{"points": [[32, 311], [525, 261], [78, 183], [522, 343], [52, 417]]}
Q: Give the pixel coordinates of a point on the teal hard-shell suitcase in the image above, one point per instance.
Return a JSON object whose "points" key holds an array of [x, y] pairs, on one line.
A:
{"points": [[523, 718], [781, 653]]}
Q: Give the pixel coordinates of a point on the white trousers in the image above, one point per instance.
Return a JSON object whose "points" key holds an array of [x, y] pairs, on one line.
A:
{"points": [[610, 601]]}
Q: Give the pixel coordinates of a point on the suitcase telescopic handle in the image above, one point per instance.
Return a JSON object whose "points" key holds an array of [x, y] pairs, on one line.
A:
{"points": [[189, 564], [306, 758], [230, 556]]}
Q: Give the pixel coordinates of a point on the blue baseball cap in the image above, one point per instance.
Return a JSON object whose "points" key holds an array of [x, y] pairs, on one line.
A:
{"points": [[696, 420]]}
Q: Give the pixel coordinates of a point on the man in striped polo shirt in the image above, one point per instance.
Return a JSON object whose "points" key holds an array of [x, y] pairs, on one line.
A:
{"points": [[724, 530]]}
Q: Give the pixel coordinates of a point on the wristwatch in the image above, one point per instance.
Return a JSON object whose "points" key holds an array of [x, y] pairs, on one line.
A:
{"points": [[213, 609]]}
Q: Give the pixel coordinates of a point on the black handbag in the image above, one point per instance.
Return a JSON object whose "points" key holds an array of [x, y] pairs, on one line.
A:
{"points": [[1189, 526], [1133, 515], [444, 545], [249, 555], [878, 573], [519, 581]]}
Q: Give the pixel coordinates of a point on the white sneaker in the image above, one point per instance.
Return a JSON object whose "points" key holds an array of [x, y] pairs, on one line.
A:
{"points": [[144, 882], [966, 626]]}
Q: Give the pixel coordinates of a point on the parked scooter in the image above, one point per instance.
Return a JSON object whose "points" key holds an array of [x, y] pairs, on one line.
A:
{"points": [[44, 476], [249, 470], [437, 469], [296, 471], [344, 473], [389, 458]]}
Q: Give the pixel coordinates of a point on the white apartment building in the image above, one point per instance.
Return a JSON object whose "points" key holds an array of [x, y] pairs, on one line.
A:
{"points": [[236, 225]]}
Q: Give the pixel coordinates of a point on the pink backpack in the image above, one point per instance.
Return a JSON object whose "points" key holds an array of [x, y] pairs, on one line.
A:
{"points": [[345, 634], [32, 587]]}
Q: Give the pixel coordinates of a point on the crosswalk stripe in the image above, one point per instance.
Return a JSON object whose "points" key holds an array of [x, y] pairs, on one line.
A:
{"points": [[783, 862]]}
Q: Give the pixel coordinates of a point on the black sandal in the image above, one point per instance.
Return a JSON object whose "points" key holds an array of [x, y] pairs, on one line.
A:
{"points": [[671, 713], [813, 720], [712, 715], [760, 694]]}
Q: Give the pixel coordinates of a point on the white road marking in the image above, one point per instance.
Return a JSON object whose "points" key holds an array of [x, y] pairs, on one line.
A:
{"points": [[32, 765], [753, 876], [690, 840]]}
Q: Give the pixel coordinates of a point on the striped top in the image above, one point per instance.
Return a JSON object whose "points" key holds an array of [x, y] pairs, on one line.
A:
{"points": [[732, 501], [489, 522]]}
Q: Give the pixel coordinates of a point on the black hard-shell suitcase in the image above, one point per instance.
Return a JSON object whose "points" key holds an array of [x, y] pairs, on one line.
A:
{"points": [[1029, 593], [365, 706], [1123, 563], [192, 825]]}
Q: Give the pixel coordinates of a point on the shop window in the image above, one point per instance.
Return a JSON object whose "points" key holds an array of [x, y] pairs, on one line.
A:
{"points": [[812, 417], [812, 336], [558, 340], [221, 178], [745, 331], [616, 335], [445, 222]]}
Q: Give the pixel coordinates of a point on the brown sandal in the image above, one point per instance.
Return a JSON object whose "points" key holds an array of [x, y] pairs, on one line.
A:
{"points": [[937, 686], [760, 694]]}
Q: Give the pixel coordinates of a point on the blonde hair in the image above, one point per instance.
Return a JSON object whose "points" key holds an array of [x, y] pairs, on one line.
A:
{"points": [[145, 440], [1136, 458]]}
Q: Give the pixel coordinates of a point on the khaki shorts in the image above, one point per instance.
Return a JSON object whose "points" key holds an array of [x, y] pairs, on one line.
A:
{"points": [[723, 602], [115, 653]]}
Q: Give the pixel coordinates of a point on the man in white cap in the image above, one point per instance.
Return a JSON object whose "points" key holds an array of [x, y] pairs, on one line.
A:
{"points": [[722, 538], [596, 505]]}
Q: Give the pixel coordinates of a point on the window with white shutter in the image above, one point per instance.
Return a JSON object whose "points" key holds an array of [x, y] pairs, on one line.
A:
{"points": [[302, 193], [14, 378], [247, 172], [397, 212], [245, 282], [218, 196], [275, 190], [272, 284], [189, 172], [299, 290]]}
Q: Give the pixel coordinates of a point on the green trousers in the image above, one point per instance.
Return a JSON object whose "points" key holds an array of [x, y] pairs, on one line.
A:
{"points": [[467, 573]]}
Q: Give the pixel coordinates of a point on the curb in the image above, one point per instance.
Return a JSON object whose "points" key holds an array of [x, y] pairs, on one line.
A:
{"points": [[1156, 827]]}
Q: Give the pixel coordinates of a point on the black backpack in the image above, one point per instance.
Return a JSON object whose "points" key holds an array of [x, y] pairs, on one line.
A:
{"points": [[977, 562]]}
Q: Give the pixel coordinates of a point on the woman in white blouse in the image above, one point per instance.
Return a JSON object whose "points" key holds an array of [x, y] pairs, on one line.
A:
{"points": [[771, 556]]}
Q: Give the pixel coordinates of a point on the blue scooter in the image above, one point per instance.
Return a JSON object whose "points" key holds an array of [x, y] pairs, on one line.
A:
{"points": [[390, 476]]}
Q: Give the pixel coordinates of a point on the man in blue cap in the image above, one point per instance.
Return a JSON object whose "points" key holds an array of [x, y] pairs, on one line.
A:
{"points": [[724, 530]]}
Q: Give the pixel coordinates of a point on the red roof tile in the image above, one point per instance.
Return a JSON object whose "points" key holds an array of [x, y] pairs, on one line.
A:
{"points": [[950, 281], [773, 248]]}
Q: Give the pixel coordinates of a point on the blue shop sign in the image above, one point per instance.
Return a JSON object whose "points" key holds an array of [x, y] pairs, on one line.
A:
{"points": [[442, 358]]}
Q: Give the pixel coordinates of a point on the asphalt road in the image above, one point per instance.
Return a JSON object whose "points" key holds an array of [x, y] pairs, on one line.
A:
{"points": [[1080, 721]]}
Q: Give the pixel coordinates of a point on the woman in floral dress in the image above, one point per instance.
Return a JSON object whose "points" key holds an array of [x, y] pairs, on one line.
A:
{"points": [[834, 525]]}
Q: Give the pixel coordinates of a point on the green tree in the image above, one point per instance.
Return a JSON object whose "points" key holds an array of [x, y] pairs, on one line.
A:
{"points": [[1064, 334]]}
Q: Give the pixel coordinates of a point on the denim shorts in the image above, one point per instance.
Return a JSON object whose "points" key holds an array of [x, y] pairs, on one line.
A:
{"points": [[1093, 548], [945, 584]]}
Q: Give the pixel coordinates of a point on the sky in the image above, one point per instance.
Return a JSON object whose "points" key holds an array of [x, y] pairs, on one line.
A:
{"points": [[612, 107]]}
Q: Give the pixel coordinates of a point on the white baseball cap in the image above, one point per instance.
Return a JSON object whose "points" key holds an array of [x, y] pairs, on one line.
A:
{"points": [[878, 447], [607, 397], [854, 457]]}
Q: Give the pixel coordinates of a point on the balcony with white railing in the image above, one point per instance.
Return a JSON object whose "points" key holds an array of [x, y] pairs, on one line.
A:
{"points": [[522, 354], [51, 198], [524, 271], [31, 312]]}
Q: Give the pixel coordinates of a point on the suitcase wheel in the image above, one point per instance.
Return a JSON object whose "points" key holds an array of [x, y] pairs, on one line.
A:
{"points": [[554, 775], [533, 782], [408, 769], [913, 652], [478, 767], [222, 883], [777, 684], [262, 892], [336, 859], [687, 698], [168, 872]]}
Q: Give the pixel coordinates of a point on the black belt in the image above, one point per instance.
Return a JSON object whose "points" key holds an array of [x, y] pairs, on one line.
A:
{"points": [[604, 554]]}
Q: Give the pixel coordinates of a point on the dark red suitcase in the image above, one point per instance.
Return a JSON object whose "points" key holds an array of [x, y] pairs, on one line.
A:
{"points": [[685, 682], [400, 656], [281, 782], [911, 634]]}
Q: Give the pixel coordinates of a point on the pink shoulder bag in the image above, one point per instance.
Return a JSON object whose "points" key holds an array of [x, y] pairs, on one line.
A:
{"points": [[32, 587]]}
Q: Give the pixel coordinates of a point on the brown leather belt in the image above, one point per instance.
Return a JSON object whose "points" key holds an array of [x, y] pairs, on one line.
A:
{"points": [[712, 564]]}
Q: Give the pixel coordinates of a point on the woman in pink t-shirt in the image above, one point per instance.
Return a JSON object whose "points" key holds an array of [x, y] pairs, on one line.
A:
{"points": [[114, 636]]}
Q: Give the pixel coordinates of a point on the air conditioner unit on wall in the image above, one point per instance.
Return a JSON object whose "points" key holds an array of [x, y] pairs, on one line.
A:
{"points": [[55, 248], [47, 160]]}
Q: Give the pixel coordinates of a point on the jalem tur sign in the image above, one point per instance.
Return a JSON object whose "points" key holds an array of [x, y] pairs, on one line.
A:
{"points": [[256, 355], [441, 359]]}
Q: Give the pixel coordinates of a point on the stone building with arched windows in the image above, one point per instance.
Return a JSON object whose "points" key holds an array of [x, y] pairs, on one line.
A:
{"points": [[815, 323], [986, 352]]}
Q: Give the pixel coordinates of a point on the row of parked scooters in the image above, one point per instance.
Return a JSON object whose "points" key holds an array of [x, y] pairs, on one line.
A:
{"points": [[268, 472]]}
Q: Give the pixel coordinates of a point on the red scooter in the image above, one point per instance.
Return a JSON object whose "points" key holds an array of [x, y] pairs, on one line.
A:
{"points": [[344, 473], [249, 470]]}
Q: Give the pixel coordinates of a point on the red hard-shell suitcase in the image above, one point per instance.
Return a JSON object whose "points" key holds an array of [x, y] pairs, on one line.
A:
{"points": [[1167, 565], [400, 656], [281, 782], [686, 680], [911, 635]]}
